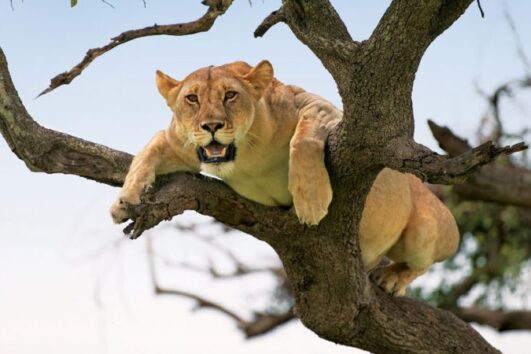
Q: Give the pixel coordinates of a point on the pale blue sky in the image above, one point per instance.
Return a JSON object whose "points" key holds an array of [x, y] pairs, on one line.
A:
{"points": [[46, 302]]}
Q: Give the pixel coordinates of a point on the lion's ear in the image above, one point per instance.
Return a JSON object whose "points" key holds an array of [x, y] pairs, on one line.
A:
{"points": [[260, 77], [166, 84]]}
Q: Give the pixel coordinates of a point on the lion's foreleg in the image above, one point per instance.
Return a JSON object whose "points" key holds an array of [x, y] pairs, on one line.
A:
{"points": [[154, 159], [308, 181]]}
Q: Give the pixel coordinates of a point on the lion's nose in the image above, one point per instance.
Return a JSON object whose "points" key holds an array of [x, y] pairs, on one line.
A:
{"points": [[212, 127]]}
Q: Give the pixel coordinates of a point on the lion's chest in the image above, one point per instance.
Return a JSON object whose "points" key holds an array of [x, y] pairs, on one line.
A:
{"points": [[262, 178]]}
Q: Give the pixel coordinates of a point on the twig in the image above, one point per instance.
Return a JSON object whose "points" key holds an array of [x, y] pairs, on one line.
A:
{"points": [[519, 47], [480, 9], [108, 4], [216, 8]]}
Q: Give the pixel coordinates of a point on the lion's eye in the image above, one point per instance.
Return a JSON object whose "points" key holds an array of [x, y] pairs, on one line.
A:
{"points": [[191, 98], [229, 95]]}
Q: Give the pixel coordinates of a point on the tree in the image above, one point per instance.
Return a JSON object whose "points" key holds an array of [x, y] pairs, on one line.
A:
{"points": [[493, 255], [332, 293]]}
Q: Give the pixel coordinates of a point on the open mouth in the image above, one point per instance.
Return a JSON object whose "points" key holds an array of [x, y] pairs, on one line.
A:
{"points": [[216, 152]]}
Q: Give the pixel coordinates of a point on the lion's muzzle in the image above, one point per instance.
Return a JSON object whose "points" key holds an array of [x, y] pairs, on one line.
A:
{"points": [[216, 152]]}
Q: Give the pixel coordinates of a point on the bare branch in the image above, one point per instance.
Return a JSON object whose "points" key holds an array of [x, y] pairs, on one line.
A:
{"points": [[499, 319], [216, 8], [108, 4], [240, 268], [408, 156], [518, 41], [494, 100], [201, 302], [500, 183], [261, 323], [480, 9]]}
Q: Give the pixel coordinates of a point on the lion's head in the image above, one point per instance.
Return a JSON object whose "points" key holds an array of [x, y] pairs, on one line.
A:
{"points": [[214, 107]]}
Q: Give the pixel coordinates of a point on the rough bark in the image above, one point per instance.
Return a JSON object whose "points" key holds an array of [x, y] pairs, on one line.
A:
{"points": [[333, 295]]}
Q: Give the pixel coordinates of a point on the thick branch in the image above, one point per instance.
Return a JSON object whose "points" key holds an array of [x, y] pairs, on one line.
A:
{"points": [[216, 8], [405, 32], [174, 194], [504, 184], [316, 24], [45, 150]]}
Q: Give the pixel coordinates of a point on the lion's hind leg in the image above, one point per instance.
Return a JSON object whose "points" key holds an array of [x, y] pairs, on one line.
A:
{"points": [[413, 254]]}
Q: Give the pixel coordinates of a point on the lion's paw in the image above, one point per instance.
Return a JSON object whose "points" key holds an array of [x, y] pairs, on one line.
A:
{"points": [[311, 198], [394, 279], [121, 209]]}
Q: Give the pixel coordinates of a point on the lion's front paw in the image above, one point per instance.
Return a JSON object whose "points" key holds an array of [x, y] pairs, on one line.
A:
{"points": [[121, 209], [311, 197]]}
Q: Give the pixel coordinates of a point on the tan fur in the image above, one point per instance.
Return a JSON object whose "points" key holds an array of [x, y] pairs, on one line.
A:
{"points": [[279, 132]]}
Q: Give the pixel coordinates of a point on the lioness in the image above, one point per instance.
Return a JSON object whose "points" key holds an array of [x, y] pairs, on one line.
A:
{"points": [[266, 141]]}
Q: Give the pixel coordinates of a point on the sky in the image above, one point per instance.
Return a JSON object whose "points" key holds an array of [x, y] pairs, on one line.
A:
{"points": [[68, 281]]}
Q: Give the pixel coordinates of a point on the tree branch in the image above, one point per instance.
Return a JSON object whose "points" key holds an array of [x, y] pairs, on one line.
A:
{"points": [[272, 19], [404, 33], [172, 195], [316, 24], [499, 319], [408, 156], [45, 150], [216, 8], [500, 183]]}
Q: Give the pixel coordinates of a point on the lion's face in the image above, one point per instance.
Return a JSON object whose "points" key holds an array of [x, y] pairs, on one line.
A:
{"points": [[214, 107]]}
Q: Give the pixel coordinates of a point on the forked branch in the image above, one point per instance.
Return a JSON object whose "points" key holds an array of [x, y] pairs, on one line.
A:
{"points": [[316, 24]]}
